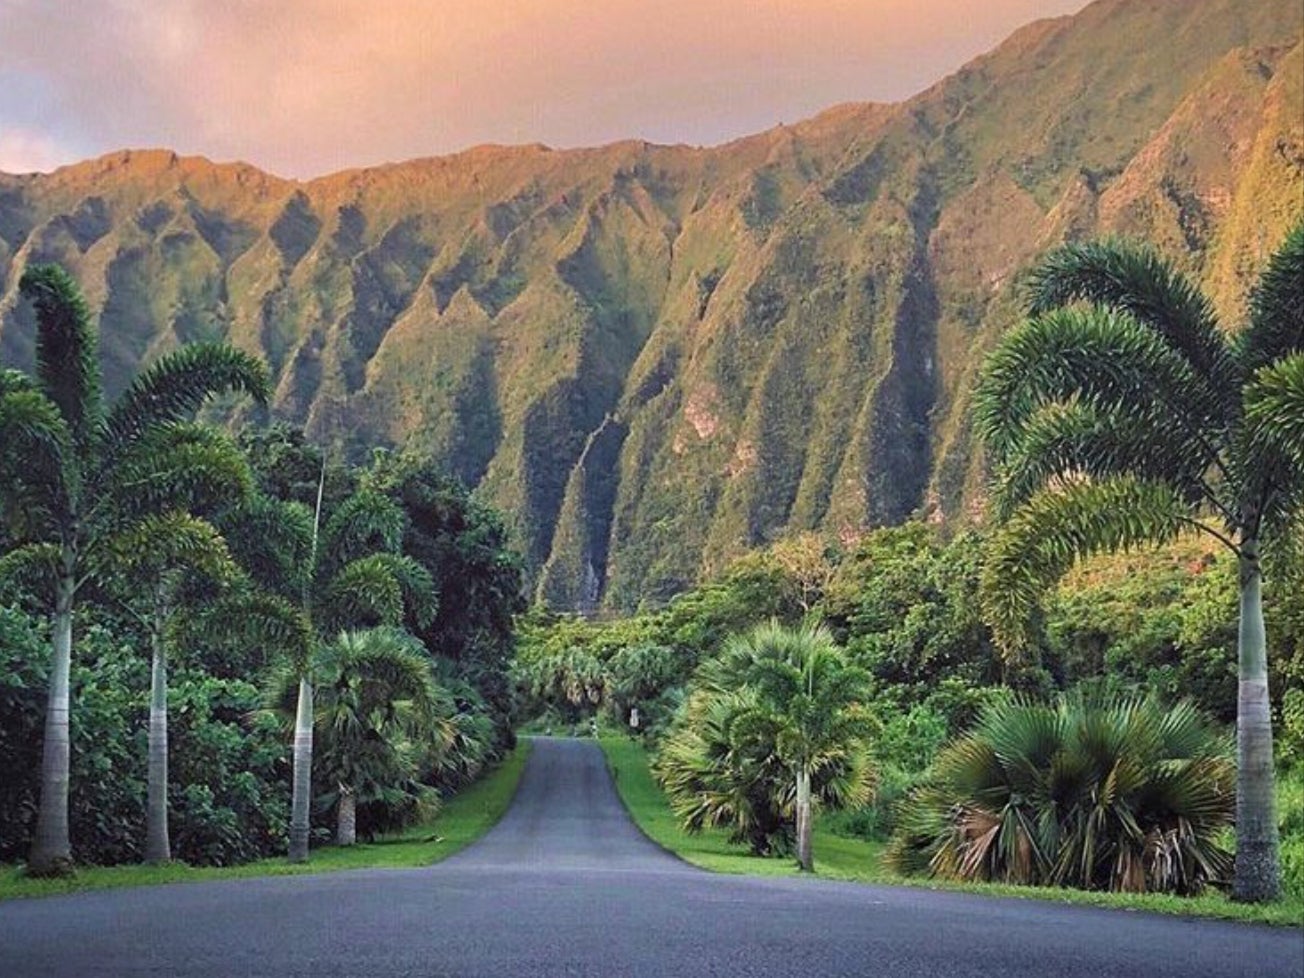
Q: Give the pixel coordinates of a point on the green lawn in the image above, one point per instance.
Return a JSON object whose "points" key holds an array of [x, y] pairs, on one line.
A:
{"points": [[855, 859], [464, 818]]}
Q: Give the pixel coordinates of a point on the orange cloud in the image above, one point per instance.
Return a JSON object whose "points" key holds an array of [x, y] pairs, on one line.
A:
{"points": [[308, 86]]}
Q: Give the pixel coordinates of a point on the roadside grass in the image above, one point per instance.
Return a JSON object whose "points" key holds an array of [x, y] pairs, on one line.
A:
{"points": [[463, 819], [861, 861]]}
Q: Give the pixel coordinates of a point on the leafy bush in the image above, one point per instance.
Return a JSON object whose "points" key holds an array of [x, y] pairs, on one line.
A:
{"points": [[228, 771], [1118, 795]]}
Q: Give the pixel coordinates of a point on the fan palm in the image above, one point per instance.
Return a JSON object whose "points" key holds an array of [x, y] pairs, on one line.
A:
{"points": [[75, 472], [380, 716], [1120, 414], [1119, 795], [775, 723]]}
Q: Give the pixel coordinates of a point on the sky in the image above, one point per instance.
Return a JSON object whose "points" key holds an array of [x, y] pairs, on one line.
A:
{"points": [[307, 87]]}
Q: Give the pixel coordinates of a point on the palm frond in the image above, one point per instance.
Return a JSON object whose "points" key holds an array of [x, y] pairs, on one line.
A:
{"points": [[34, 463], [1276, 328], [1098, 794], [29, 569], [161, 543], [249, 618], [375, 590], [1059, 526], [177, 384], [1274, 408], [1106, 360], [1133, 278], [67, 352], [363, 523], [272, 540], [1064, 441], [181, 465]]}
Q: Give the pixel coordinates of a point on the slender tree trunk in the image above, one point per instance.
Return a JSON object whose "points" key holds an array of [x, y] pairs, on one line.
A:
{"points": [[346, 829], [51, 850], [302, 790], [805, 859], [1258, 861], [157, 847]]}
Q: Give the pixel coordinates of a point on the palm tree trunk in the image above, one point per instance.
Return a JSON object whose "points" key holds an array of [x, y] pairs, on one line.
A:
{"points": [[1258, 866], [51, 850], [157, 847], [302, 788], [805, 859], [346, 829]]}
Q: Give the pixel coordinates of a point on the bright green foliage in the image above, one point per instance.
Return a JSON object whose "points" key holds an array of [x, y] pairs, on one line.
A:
{"points": [[905, 602], [227, 773], [1121, 795], [775, 707], [1121, 421]]}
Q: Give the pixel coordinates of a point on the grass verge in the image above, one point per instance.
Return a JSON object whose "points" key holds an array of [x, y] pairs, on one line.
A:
{"points": [[860, 861], [464, 818]]}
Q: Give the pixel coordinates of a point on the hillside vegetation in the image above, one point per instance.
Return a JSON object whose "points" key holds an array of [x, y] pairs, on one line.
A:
{"points": [[656, 357]]}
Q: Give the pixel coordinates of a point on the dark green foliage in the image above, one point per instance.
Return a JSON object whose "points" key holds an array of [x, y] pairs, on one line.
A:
{"points": [[228, 623], [228, 763], [464, 546], [229, 772], [22, 706], [384, 728], [288, 467]]}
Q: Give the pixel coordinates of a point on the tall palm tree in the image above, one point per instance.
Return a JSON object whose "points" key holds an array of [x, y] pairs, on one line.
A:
{"points": [[155, 562], [380, 718], [345, 572], [1120, 414], [76, 470]]}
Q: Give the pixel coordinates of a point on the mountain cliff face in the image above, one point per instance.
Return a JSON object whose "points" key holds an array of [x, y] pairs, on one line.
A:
{"points": [[654, 357]]}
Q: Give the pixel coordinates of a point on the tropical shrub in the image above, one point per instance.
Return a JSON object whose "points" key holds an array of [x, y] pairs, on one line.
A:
{"points": [[1120, 795], [776, 724]]}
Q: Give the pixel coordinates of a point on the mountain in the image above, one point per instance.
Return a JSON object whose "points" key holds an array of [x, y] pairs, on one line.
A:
{"points": [[655, 357]]}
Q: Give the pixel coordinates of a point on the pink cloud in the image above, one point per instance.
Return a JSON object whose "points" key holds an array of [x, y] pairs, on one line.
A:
{"points": [[23, 151], [313, 85]]}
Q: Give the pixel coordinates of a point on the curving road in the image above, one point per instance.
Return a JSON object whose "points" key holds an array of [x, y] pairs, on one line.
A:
{"points": [[565, 885]]}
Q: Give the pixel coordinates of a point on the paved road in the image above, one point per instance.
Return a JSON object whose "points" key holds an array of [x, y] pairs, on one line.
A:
{"points": [[566, 886]]}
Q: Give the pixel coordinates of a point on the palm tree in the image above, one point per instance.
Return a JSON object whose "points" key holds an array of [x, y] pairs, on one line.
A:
{"points": [[1120, 414], [808, 705], [348, 573], [777, 716], [77, 472], [381, 718], [156, 559], [1121, 795]]}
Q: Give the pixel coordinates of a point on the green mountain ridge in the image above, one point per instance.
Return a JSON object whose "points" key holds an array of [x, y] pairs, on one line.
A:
{"points": [[656, 357]]}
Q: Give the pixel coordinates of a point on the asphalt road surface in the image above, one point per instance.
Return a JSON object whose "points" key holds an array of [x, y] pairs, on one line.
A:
{"points": [[565, 885]]}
